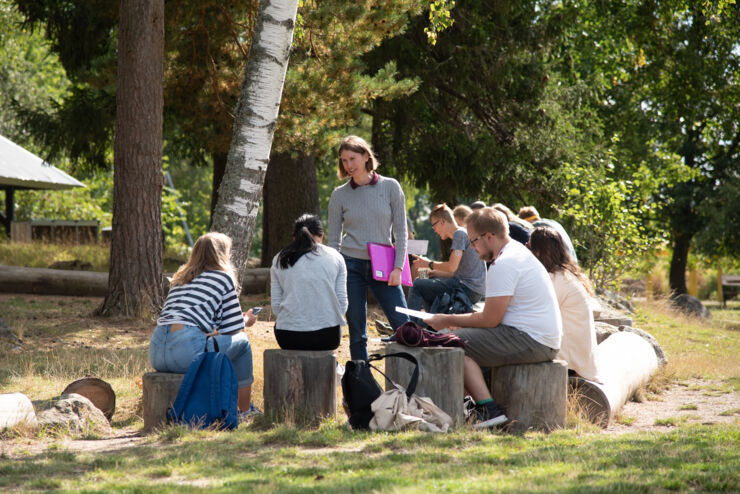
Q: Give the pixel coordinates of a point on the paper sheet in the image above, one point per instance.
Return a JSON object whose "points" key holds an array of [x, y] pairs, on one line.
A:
{"points": [[414, 313], [417, 247]]}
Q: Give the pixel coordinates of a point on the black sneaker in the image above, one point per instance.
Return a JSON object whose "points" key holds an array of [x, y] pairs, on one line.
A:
{"points": [[488, 415]]}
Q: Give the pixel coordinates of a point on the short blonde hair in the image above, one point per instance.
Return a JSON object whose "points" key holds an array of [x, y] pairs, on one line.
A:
{"points": [[488, 220], [442, 212], [211, 252], [356, 145], [461, 213]]}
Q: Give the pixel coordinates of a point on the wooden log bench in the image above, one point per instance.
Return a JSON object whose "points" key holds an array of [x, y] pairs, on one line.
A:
{"points": [[440, 375], [533, 396], [300, 385], [626, 362], [160, 390]]}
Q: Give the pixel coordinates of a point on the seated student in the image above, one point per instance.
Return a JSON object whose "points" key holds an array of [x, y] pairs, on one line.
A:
{"points": [[461, 213], [308, 288], [520, 322], [464, 270], [519, 229], [572, 288], [203, 301], [530, 214]]}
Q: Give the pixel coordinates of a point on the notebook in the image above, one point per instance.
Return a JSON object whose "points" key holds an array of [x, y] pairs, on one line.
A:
{"points": [[382, 260]]}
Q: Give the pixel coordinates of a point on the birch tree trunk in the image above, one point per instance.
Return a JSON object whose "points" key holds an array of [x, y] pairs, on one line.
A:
{"points": [[256, 116], [135, 277]]}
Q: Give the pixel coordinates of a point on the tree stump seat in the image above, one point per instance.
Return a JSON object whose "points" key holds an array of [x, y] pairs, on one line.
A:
{"points": [[533, 396], [440, 375], [160, 390], [300, 385]]}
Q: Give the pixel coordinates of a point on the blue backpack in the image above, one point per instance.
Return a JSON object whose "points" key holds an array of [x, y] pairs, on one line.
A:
{"points": [[208, 393]]}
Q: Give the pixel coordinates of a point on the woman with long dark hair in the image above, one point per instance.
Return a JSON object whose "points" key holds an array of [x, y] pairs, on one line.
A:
{"points": [[572, 288], [308, 288]]}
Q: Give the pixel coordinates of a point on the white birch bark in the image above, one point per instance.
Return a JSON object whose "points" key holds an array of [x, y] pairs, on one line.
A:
{"points": [[254, 125]]}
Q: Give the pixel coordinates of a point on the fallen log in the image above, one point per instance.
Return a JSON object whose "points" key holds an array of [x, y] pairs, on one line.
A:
{"points": [[44, 281], [16, 408], [626, 362]]}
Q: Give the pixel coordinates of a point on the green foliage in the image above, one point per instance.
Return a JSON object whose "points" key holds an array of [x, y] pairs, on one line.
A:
{"points": [[668, 76], [490, 120], [30, 74], [439, 18], [93, 202]]}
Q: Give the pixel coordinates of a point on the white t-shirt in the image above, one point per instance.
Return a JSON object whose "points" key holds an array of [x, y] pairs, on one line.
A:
{"points": [[533, 307]]}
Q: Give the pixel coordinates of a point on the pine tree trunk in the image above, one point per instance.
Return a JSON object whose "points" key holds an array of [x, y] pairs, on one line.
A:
{"points": [[677, 278], [254, 127], [291, 189], [134, 283]]}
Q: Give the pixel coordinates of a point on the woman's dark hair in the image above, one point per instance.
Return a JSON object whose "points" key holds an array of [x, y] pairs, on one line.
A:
{"points": [[547, 245], [304, 230]]}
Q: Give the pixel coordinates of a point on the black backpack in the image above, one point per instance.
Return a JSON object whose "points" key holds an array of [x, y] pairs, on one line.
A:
{"points": [[360, 389]]}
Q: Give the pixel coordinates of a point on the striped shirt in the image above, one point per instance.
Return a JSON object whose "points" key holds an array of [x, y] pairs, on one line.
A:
{"points": [[209, 301]]}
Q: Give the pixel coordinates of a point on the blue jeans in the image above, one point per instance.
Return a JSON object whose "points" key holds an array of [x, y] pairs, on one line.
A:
{"points": [[359, 278], [424, 291], [173, 352]]}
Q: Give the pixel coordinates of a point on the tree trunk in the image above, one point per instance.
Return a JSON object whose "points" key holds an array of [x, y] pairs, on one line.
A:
{"points": [[134, 287], [254, 127], [219, 166], [681, 244], [291, 189]]}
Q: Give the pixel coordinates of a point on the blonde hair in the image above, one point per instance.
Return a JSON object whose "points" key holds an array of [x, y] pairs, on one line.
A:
{"points": [[443, 212], [529, 213], [461, 213], [210, 252], [488, 220], [356, 145]]}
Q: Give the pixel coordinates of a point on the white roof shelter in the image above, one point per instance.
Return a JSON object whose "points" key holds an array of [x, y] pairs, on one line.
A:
{"points": [[21, 169]]}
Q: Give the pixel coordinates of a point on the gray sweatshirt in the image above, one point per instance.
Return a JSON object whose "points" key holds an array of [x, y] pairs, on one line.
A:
{"points": [[369, 213], [311, 294]]}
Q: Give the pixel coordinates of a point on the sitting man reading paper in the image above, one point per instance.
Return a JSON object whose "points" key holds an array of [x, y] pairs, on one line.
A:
{"points": [[520, 322]]}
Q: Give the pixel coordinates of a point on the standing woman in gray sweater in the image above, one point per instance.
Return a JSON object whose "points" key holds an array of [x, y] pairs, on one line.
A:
{"points": [[308, 290], [367, 208]]}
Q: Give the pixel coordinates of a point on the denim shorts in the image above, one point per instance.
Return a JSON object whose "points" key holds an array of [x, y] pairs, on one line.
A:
{"points": [[173, 352]]}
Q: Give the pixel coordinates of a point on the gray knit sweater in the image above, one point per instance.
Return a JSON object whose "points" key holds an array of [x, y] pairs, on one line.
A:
{"points": [[369, 213]]}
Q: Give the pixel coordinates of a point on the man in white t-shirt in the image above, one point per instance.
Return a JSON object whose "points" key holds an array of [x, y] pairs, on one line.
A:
{"points": [[520, 322]]}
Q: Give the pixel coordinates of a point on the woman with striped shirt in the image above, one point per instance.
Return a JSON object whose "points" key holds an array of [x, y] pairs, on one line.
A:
{"points": [[203, 302]]}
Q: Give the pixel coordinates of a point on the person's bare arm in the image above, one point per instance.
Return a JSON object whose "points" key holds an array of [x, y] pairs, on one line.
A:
{"points": [[491, 316]]}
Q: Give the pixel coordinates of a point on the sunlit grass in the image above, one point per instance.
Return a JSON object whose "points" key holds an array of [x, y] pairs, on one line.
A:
{"points": [[695, 348]]}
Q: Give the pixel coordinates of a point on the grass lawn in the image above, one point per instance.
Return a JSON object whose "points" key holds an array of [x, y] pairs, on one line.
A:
{"points": [[62, 343]]}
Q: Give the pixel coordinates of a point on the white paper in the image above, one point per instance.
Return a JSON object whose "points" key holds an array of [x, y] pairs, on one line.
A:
{"points": [[414, 313], [417, 247]]}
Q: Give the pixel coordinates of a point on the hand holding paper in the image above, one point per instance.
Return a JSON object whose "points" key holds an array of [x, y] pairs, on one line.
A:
{"points": [[414, 313]]}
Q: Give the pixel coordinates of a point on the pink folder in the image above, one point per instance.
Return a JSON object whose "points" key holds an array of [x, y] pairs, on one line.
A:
{"points": [[382, 260]]}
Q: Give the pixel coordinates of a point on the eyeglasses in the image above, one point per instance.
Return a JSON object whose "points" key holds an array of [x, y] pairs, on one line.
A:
{"points": [[435, 223], [472, 242]]}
